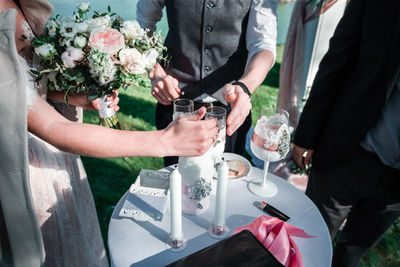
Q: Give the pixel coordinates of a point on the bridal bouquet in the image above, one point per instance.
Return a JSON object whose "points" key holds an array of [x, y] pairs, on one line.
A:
{"points": [[95, 55]]}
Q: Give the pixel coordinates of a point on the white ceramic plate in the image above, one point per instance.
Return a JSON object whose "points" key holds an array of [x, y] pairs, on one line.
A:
{"points": [[246, 164]]}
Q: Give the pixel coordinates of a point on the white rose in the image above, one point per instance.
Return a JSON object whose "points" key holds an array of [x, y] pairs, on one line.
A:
{"points": [[45, 51], [131, 29], [80, 41], [150, 57], [71, 56], [132, 61], [67, 28], [84, 6], [99, 23], [81, 27]]}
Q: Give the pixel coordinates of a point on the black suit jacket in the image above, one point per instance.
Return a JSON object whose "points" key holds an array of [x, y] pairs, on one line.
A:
{"points": [[349, 90]]}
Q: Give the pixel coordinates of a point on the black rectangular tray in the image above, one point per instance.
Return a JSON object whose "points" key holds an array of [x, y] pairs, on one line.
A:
{"points": [[241, 249]]}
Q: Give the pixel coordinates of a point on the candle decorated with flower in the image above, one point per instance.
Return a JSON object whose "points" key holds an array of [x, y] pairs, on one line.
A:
{"points": [[197, 173], [94, 56]]}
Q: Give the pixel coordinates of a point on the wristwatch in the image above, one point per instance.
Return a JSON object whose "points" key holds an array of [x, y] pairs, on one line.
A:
{"points": [[244, 87]]}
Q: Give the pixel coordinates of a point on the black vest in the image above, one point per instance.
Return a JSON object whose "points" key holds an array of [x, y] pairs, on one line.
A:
{"points": [[206, 43]]}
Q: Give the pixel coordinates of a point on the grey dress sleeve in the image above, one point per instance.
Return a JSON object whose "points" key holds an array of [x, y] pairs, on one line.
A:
{"points": [[20, 237]]}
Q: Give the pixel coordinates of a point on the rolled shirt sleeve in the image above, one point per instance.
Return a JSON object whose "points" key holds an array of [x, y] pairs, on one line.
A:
{"points": [[149, 12], [262, 27]]}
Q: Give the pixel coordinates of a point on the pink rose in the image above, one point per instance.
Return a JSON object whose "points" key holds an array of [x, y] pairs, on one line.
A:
{"points": [[109, 41]]}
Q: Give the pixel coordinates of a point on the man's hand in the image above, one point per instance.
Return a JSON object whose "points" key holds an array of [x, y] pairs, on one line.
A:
{"points": [[164, 87], [302, 156], [241, 106]]}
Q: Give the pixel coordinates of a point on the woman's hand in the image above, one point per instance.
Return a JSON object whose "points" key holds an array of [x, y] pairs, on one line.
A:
{"points": [[95, 104], [164, 87], [81, 100], [189, 135]]}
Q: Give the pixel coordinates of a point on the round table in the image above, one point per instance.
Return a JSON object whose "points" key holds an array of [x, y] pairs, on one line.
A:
{"points": [[142, 243]]}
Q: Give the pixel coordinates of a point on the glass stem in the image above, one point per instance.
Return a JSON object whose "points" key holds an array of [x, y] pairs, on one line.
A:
{"points": [[264, 181]]}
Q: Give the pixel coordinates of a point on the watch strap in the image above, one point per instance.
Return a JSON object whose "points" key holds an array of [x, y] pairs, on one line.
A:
{"points": [[244, 87]]}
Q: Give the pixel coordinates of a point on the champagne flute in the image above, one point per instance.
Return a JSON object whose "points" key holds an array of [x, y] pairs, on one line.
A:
{"points": [[270, 142], [218, 113], [182, 106]]}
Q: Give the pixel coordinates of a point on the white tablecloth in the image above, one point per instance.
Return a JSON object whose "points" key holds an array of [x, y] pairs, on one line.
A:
{"points": [[142, 243]]}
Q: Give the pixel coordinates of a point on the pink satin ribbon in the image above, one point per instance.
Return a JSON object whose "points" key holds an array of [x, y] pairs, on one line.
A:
{"points": [[185, 189], [260, 142], [275, 235]]}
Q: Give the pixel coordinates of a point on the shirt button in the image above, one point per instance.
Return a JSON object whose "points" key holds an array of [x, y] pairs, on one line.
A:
{"points": [[209, 28], [210, 5], [207, 68], [207, 49]]}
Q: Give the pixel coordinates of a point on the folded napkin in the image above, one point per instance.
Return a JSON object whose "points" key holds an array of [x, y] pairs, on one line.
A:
{"points": [[275, 235], [144, 206]]}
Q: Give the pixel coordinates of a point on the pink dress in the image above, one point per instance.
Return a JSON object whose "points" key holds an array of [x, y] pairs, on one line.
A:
{"points": [[63, 201]]}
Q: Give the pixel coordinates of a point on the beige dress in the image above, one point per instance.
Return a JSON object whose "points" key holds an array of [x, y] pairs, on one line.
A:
{"points": [[63, 201]]}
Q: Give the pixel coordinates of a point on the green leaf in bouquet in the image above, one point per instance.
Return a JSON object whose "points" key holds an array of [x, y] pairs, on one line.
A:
{"points": [[51, 86], [35, 72], [75, 74], [117, 22], [67, 87], [109, 9], [93, 92], [145, 83]]}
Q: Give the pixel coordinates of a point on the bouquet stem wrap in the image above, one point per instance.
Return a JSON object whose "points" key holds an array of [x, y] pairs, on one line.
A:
{"points": [[108, 117]]}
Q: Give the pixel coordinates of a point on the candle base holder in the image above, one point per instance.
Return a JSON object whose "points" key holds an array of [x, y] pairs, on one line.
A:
{"points": [[218, 232], [175, 245]]}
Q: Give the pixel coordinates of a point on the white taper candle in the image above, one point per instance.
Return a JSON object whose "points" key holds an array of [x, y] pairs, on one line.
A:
{"points": [[220, 201], [175, 187]]}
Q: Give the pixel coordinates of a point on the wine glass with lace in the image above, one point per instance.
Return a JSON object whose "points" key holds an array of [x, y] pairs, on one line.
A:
{"points": [[270, 142]]}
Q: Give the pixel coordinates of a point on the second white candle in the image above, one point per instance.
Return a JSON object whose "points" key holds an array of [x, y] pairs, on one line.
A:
{"points": [[220, 198], [175, 187]]}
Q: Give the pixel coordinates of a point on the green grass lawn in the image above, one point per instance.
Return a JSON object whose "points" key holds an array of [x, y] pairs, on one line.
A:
{"points": [[110, 178]]}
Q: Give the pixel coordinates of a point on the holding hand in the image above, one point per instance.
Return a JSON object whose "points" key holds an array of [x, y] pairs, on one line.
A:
{"points": [[81, 100], [189, 135], [241, 106], [96, 105], [164, 87], [302, 156]]}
